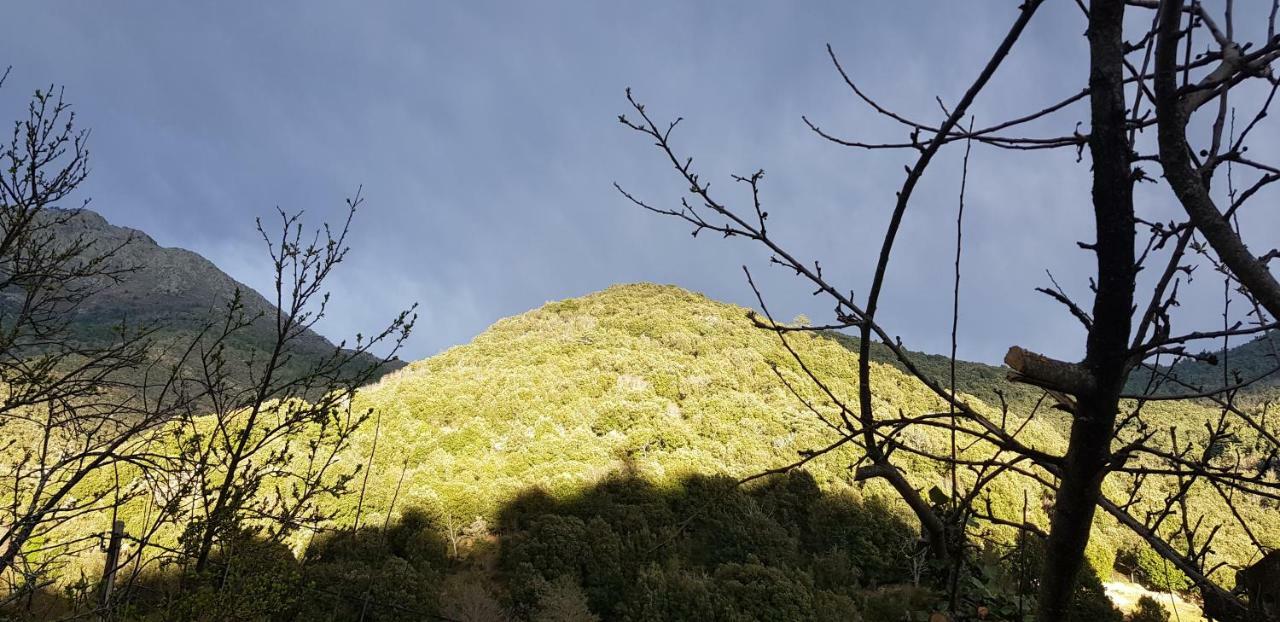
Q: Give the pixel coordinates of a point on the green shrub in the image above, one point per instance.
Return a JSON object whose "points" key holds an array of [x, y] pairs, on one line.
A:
{"points": [[1148, 610], [249, 579], [835, 607], [1151, 570], [708, 549], [896, 603], [563, 601], [1091, 603], [394, 574], [757, 592], [665, 594]]}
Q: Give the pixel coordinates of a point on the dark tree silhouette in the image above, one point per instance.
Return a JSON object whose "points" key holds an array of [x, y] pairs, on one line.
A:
{"points": [[217, 440], [1151, 79], [68, 409], [255, 426]]}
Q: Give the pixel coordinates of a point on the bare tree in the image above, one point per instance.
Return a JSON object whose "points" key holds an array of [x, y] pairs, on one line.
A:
{"points": [[69, 408], [248, 442], [259, 460], [1156, 81], [204, 433]]}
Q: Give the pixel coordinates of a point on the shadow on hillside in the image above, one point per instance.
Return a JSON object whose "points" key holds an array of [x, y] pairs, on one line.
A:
{"points": [[625, 549]]}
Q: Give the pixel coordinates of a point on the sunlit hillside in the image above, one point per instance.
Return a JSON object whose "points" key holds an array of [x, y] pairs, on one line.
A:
{"points": [[663, 383], [647, 379], [619, 420]]}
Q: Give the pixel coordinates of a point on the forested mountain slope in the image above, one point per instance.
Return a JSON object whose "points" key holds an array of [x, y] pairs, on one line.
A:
{"points": [[583, 455], [662, 383], [174, 289]]}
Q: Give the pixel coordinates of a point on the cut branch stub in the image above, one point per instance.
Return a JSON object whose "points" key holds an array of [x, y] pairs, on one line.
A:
{"points": [[872, 471], [1039, 370]]}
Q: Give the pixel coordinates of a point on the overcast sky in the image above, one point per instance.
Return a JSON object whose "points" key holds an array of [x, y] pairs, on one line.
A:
{"points": [[485, 136]]}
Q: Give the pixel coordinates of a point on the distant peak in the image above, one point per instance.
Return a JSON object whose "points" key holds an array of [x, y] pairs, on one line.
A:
{"points": [[82, 216], [85, 219]]}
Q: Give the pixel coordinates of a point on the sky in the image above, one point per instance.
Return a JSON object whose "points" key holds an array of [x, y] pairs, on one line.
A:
{"points": [[485, 139]]}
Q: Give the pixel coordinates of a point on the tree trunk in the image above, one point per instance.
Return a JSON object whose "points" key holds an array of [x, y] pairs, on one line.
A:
{"points": [[1106, 356]]}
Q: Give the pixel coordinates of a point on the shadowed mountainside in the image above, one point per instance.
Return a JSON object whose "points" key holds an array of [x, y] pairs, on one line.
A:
{"points": [[700, 548], [175, 289]]}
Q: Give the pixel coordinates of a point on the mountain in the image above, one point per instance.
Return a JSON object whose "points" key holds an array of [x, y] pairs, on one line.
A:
{"points": [[658, 381], [175, 288], [583, 455], [648, 379], [657, 384], [1253, 363], [653, 381]]}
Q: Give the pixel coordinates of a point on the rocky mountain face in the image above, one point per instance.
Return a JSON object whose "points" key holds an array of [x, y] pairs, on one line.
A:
{"points": [[168, 282], [178, 290]]}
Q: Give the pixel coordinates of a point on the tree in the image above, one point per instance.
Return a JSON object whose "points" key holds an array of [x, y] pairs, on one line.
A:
{"points": [[237, 447], [69, 409], [1129, 335], [248, 442]]}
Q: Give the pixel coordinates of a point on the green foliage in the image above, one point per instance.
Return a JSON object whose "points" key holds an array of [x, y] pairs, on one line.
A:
{"points": [[602, 437], [389, 575], [1152, 571], [1091, 603], [896, 603], [780, 550], [563, 601], [1003, 582], [1148, 610], [754, 591], [248, 579], [465, 597]]}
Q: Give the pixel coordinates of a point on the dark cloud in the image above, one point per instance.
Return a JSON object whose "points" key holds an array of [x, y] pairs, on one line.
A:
{"points": [[485, 137]]}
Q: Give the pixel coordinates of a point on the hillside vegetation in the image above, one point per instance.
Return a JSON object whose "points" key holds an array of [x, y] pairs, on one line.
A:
{"points": [[581, 455], [649, 380], [661, 384]]}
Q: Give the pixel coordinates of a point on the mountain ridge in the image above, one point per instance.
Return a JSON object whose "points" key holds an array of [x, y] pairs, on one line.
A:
{"points": [[181, 288], [645, 391], [174, 289]]}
